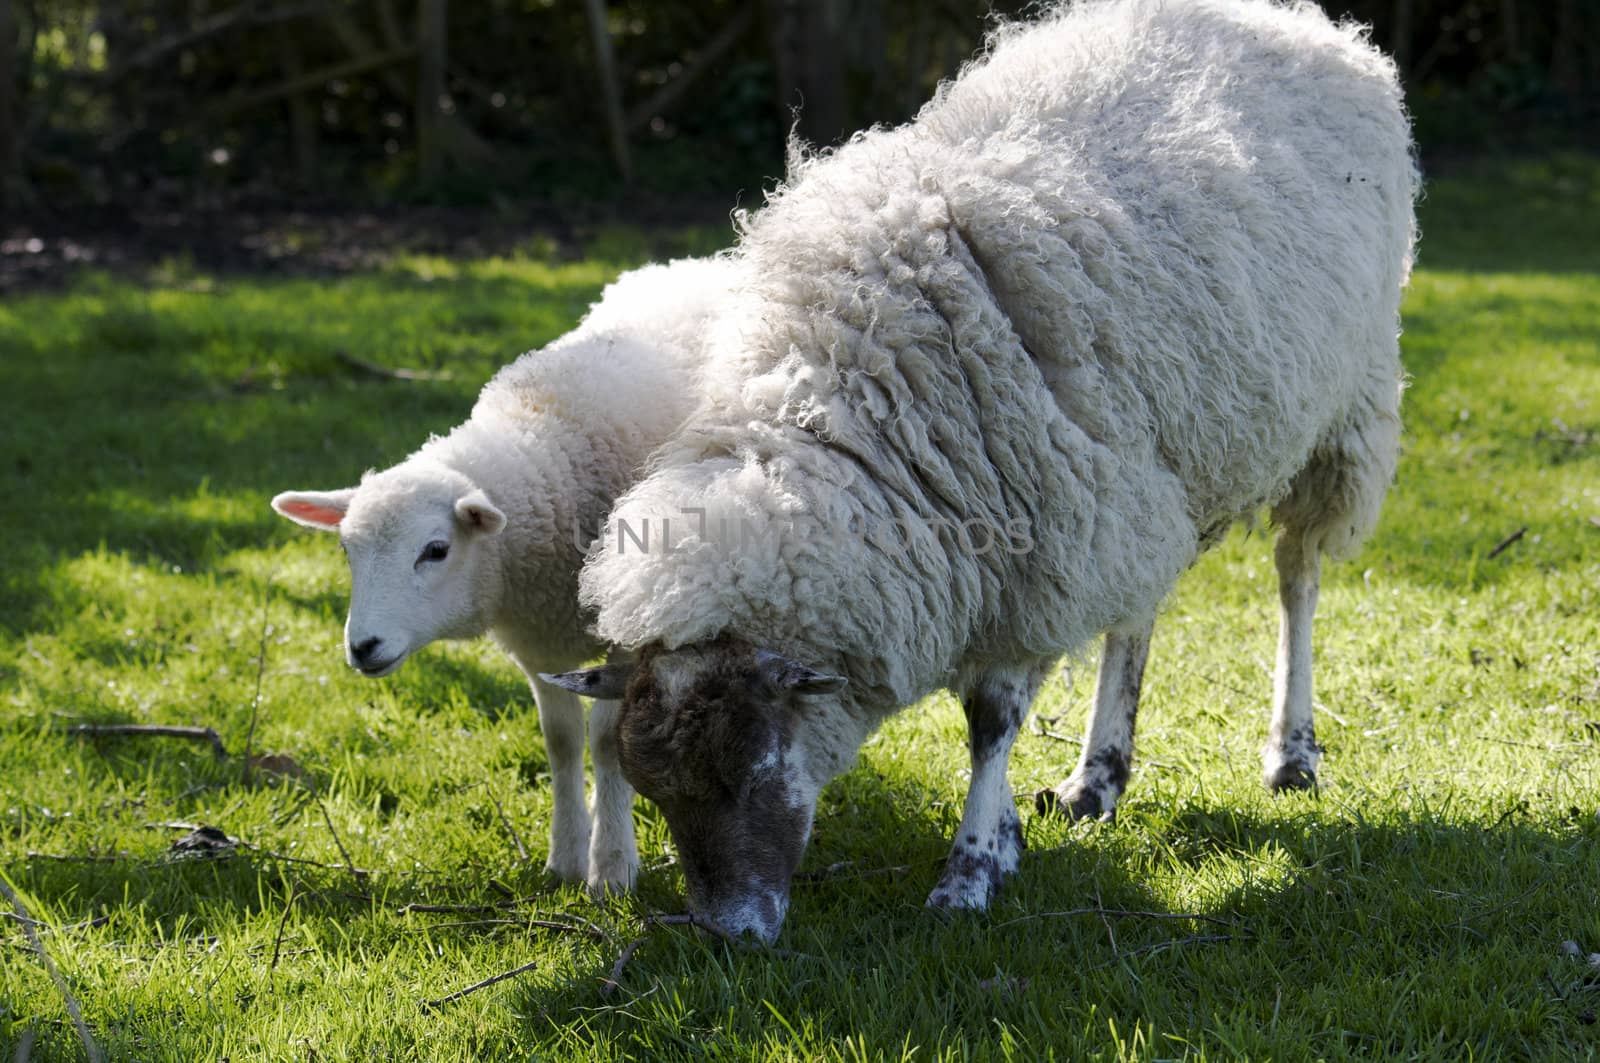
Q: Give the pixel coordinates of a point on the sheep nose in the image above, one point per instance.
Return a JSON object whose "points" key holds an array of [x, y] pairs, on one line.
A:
{"points": [[364, 651]]}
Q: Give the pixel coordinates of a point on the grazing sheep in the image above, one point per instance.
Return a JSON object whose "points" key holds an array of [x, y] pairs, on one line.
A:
{"points": [[1000, 375], [483, 530]]}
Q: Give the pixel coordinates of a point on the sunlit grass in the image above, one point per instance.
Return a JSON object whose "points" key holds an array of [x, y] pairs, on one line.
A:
{"points": [[1415, 908]]}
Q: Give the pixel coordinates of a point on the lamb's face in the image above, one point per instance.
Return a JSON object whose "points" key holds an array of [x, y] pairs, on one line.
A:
{"points": [[716, 735], [421, 556]]}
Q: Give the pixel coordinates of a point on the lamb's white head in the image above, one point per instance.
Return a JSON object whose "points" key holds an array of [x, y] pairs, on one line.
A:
{"points": [[423, 559], [718, 735]]}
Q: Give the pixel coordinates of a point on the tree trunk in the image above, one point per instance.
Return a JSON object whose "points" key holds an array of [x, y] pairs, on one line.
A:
{"points": [[783, 39], [807, 38], [1510, 30], [912, 91], [822, 113], [1565, 75], [302, 115], [610, 92], [10, 113], [432, 55], [1400, 46], [455, 136]]}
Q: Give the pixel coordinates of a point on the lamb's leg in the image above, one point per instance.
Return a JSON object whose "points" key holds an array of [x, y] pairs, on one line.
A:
{"points": [[1092, 790], [989, 844], [613, 855], [1289, 761], [561, 720]]}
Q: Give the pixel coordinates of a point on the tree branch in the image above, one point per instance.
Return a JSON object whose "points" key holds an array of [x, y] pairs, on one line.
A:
{"points": [[665, 96]]}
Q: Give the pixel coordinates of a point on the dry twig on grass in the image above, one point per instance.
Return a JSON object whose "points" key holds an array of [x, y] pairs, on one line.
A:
{"points": [[1038, 726], [31, 928], [386, 373], [248, 762], [74, 858], [350, 865], [1114, 913], [1505, 544], [516, 839], [434, 1005], [1163, 946], [277, 942], [157, 730], [526, 924], [845, 869]]}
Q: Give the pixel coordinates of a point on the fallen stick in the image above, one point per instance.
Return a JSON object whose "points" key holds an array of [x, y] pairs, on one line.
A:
{"points": [[248, 762], [526, 924], [844, 870], [87, 924], [1114, 913], [157, 730], [1162, 946], [1506, 543], [277, 942], [349, 865], [522, 852], [1042, 731], [384, 372], [30, 927], [614, 982], [434, 1005]]}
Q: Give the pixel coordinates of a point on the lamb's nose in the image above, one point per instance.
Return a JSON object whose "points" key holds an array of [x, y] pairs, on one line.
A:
{"points": [[364, 651]]}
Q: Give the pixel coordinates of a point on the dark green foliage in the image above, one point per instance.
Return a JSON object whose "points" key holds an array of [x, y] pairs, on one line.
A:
{"points": [[174, 99]]}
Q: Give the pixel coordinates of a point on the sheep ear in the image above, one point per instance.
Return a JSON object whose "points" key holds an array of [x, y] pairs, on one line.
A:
{"points": [[476, 511], [322, 510], [606, 683], [792, 675]]}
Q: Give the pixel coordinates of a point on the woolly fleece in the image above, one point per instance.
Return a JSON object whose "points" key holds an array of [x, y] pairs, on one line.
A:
{"points": [[1122, 281]]}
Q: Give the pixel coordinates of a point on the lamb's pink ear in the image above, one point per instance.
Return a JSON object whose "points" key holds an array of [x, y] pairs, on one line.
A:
{"points": [[476, 511], [322, 510]]}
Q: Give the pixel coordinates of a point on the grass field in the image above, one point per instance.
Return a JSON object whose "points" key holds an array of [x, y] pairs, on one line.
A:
{"points": [[1415, 908]]}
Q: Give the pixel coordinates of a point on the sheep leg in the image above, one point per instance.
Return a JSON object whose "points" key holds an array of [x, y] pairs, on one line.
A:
{"points": [[1091, 792], [613, 855], [989, 844], [561, 720], [1289, 760]]}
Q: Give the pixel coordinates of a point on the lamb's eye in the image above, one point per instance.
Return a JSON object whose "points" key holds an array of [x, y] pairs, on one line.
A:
{"points": [[437, 550]]}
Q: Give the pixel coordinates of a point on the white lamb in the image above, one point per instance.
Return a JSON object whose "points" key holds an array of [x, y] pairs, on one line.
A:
{"points": [[483, 530], [1001, 374]]}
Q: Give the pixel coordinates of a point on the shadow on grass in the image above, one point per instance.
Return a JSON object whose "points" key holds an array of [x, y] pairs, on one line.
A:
{"points": [[1416, 900], [162, 438], [1531, 215]]}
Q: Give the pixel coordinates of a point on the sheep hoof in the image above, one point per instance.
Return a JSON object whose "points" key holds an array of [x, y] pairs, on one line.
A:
{"points": [[568, 867], [611, 875], [1291, 775], [979, 862], [1076, 801], [969, 883]]}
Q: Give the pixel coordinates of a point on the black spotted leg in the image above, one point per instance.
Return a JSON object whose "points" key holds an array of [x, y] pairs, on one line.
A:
{"points": [[989, 844], [1289, 761], [1092, 790]]}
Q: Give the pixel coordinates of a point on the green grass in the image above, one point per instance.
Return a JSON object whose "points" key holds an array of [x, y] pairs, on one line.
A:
{"points": [[1414, 909]]}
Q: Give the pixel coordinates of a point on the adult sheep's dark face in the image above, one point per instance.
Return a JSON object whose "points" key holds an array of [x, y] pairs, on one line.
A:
{"points": [[716, 735]]}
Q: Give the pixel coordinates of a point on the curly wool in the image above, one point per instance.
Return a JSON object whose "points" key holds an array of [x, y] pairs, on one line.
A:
{"points": [[1116, 285], [557, 435]]}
